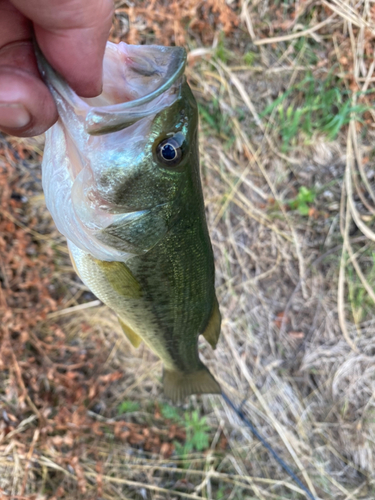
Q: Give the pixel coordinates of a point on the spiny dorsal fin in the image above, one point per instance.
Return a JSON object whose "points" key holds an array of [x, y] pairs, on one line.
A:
{"points": [[212, 331], [133, 337], [120, 278]]}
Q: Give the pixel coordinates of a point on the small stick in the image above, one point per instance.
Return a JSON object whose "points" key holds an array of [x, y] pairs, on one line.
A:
{"points": [[29, 456], [298, 34]]}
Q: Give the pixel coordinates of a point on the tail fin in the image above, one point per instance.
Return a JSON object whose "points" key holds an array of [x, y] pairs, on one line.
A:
{"points": [[179, 385]]}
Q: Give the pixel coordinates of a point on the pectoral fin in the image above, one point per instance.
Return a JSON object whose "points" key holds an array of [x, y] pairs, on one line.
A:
{"points": [[136, 232], [212, 331], [133, 338], [120, 278], [73, 263]]}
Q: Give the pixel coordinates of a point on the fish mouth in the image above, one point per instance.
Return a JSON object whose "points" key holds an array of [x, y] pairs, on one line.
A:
{"points": [[142, 82]]}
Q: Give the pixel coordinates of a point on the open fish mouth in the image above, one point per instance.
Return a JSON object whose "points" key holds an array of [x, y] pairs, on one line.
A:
{"points": [[104, 119], [133, 84], [92, 149]]}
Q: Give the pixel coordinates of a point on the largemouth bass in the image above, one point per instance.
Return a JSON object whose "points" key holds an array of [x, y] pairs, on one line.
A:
{"points": [[121, 180]]}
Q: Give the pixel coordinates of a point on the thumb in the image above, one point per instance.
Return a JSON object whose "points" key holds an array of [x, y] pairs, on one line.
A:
{"points": [[72, 35]]}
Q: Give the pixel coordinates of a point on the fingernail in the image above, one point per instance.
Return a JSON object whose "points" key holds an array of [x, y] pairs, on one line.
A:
{"points": [[13, 115]]}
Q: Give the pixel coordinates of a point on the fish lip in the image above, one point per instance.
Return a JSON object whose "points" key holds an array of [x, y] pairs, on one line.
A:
{"points": [[101, 120]]}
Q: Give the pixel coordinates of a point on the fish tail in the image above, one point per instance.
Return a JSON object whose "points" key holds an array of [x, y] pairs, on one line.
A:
{"points": [[178, 385]]}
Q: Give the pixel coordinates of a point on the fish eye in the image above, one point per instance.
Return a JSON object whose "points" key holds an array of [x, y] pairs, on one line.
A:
{"points": [[169, 151]]}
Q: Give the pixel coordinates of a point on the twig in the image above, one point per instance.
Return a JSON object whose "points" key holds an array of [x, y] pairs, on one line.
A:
{"points": [[146, 486], [345, 233], [80, 307], [28, 460], [18, 372], [285, 38]]}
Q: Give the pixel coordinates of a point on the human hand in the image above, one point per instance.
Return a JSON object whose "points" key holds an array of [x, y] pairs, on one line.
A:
{"points": [[71, 34]]}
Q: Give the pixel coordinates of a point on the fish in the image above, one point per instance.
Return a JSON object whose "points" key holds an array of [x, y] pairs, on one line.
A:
{"points": [[121, 178]]}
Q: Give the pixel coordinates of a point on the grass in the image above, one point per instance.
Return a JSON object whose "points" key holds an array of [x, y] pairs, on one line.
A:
{"points": [[318, 106], [213, 118], [362, 306], [82, 412], [196, 428]]}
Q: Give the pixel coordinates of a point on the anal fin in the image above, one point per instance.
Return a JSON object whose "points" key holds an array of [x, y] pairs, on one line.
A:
{"points": [[179, 385], [133, 337], [212, 331]]}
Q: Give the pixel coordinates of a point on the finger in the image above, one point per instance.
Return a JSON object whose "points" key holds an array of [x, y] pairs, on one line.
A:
{"points": [[72, 35], [26, 105]]}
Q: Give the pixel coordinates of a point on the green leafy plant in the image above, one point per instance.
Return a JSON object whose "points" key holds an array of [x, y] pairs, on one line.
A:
{"points": [[197, 431], [300, 202], [128, 407], [196, 428], [170, 412]]}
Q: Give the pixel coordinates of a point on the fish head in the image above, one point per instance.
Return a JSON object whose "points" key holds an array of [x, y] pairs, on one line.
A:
{"points": [[114, 166], [145, 164]]}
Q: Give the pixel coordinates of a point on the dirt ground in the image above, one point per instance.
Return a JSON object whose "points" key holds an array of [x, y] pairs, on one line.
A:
{"points": [[285, 92]]}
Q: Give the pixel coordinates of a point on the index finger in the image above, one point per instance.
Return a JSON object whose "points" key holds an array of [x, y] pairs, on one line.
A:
{"points": [[72, 35]]}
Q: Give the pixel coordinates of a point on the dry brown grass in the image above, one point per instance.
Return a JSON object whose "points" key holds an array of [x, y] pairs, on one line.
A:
{"points": [[296, 292]]}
